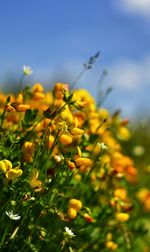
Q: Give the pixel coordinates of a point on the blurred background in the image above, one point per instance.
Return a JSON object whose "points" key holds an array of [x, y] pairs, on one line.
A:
{"points": [[56, 37]]}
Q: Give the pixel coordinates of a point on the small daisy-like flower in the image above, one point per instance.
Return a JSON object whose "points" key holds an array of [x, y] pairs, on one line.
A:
{"points": [[13, 216], [69, 232], [103, 146], [27, 70]]}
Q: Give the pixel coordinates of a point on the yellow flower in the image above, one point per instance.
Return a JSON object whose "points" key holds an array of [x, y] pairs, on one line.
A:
{"points": [[34, 182], [72, 213], [66, 139], [76, 131], [5, 165], [22, 107], [66, 116], [38, 96], [122, 217], [14, 173], [75, 204], [111, 245], [123, 133], [71, 165], [37, 88], [28, 147], [83, 161], [10, 173], [19, 99], [121, 193], [28, 150]]}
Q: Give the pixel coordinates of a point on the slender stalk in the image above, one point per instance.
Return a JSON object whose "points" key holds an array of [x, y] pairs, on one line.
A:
{"points": [[77, 78], [21, 82]]}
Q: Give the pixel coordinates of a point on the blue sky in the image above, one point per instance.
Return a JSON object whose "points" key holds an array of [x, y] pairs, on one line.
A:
{"points": [[55, 37]]}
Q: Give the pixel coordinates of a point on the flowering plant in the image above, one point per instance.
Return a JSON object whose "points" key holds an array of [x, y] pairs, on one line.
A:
{"points": [[66, 184]]}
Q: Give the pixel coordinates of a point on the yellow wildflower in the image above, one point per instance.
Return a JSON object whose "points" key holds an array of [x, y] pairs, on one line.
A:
{"points": [[5, 165], [72, 213], [37, 88], [111, 245], [122, 217], [34, 182], [66, 139], [83, 161], [10, 172], [75, 204]]}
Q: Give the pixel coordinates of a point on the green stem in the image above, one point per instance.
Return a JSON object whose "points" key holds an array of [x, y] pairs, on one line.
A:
{"points": [[4, 236], [78, 77]]}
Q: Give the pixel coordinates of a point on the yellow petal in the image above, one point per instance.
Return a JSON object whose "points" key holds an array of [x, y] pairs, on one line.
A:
{"points": [[5, 165], [34, 174], [76, 131], [13, 173], [83, 161], [35, 183]]}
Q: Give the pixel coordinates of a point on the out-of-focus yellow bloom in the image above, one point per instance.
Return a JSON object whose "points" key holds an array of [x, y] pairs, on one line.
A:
{"points": [[72, 213], [22, 107], [76, 131], [38, 96], [29, 147], [123, 133], [144, 196], [66, 116], [109, 236], [28, 151], [66, 139], [103, 113], [83, 161], [120, 193], [34, 181], [105, 159], [88, 218], [37, 88], [79, 151], [71, 165], [122, 217], [59, 90], [19, 99], [111, 245], [77, 177], [75, 204]]}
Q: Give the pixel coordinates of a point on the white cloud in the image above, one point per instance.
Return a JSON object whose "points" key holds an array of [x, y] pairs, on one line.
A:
{"points": [[130, 74], [140, 7]]}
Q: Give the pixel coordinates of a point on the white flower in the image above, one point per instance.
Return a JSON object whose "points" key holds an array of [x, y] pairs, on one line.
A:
{"points": [[27, 70], [58, 158], [103, 146], [69, 232], [32, 198], [13, 216]]}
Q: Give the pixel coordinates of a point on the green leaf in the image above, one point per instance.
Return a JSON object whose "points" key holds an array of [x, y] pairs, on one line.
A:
{"points": [[2, 149], [30, 115]]}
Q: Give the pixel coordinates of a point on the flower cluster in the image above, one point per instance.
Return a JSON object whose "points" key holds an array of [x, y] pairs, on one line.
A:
{"points": [[72, 163]]}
